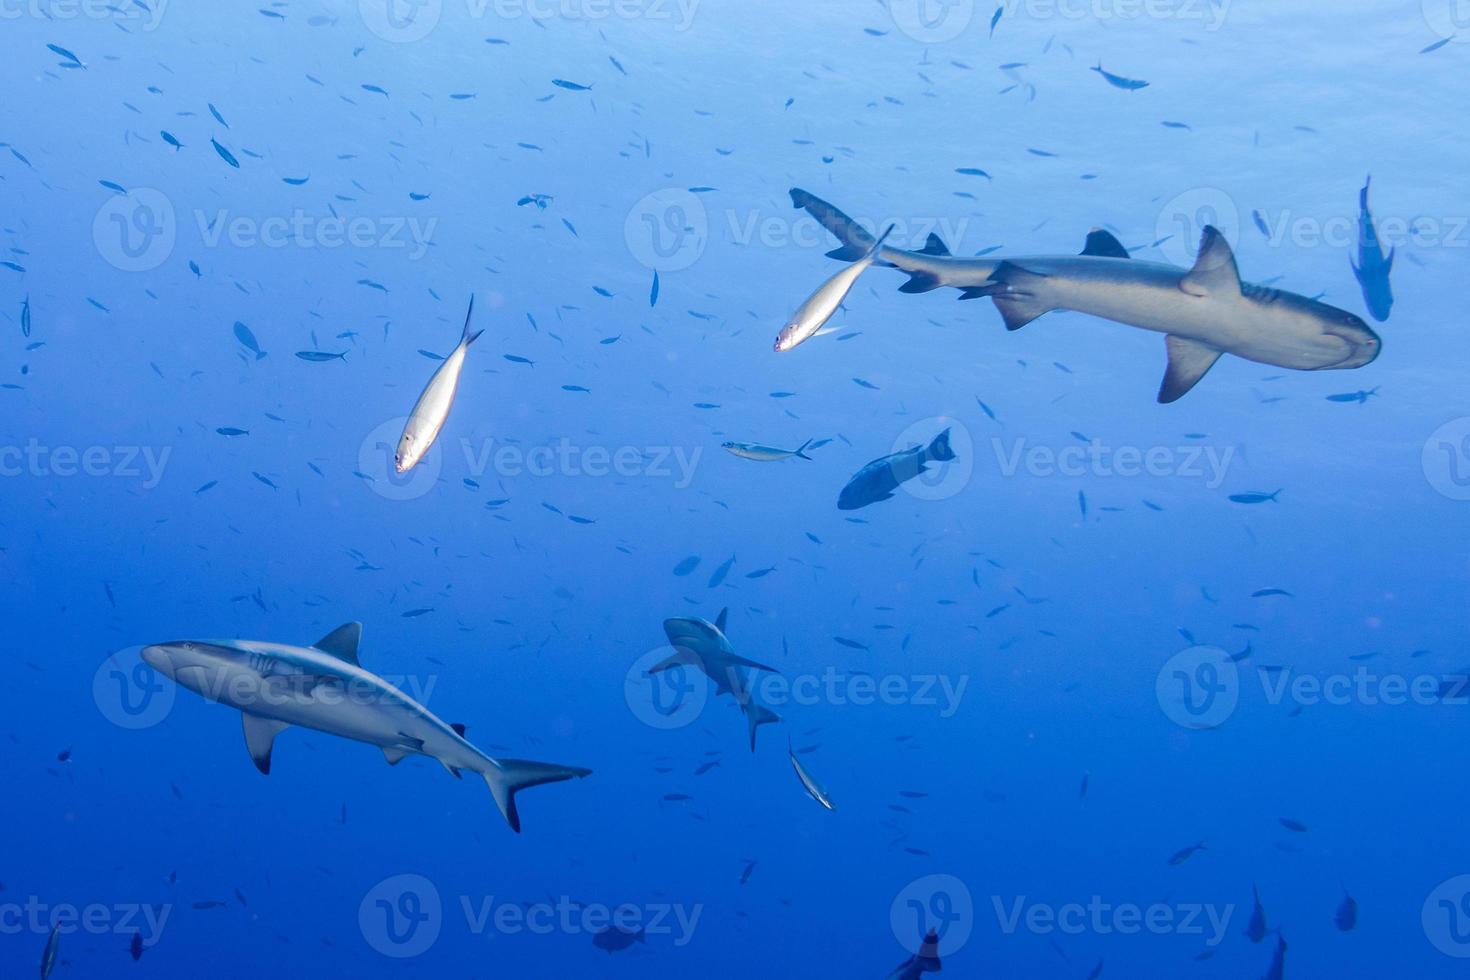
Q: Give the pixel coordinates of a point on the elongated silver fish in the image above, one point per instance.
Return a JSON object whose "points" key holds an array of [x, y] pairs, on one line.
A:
{"points": [[432, 409], [813, 788], [764, 454], [49, 954], [818, 309]]}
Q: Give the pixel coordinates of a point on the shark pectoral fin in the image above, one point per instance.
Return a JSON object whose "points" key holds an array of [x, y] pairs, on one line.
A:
{"points": [[1215, 272], [260, 736], [1189, 360], [509, 776], [342, 643], [1102, 244]]}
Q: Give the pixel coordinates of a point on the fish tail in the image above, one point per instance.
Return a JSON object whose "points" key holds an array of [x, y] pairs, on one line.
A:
{"points": [[801, 451], [466, 338], [507, 777], [856, 242], [939, 449], [757, 715]]}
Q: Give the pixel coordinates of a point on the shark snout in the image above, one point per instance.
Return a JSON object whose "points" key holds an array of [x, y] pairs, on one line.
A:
{"points": [[1364, 344]]}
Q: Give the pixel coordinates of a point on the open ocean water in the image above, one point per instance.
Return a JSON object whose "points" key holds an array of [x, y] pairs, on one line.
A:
{"points": [[1074, 683]]}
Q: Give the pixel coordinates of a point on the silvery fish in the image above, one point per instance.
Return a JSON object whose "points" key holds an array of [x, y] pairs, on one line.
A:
{"points": [[431, 411], [816, 311]]}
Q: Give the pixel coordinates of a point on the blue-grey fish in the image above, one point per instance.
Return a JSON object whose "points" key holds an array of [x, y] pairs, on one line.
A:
{"points": [[813, 788], [880, 478], [1118, 81], [49, 954], [1346, 918], [1372, 267], [320, 355], [247, 339], [1254, 497], [765, 454], [926, 960], [25, 316], [1256, 930]]}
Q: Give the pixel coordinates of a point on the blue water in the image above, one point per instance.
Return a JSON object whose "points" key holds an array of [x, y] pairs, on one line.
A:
{"points": [[1028, 688]]}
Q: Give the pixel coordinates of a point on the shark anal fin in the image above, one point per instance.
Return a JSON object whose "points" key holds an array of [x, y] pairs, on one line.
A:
{"points": [[1215, 272], [1189, 361], [920, 281], [260, 737], [1103, 244], [342, 643], [394, 754], [1014, 290]]}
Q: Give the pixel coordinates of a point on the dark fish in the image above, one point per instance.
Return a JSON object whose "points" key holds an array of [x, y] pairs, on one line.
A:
{"points": [[1296, 826], [75, 61], [1277, 969], [1267, 593], [653, 293], [1361, 397], [49, 953], [1254, 497], [135, 948], [225, 154], [1184, 854], [926, 960], [687, 565], [230, 431], [721, 572], [614, 939], [414, 613], [25, 316], [247, 339], [1256, 930], [1372, 267], [570, 86], [1346, 918], [879, 479], [1118, 81], [320, 355]]}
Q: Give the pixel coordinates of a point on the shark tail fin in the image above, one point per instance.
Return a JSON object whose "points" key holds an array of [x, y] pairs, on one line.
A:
{"points": [[510, 776], [466, 337], [801, 450], [757, 715], [855, 239]]}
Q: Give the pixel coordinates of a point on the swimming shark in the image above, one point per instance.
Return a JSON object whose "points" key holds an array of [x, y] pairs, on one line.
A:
{"points": [[926, 960], [1203, 312], [325, 688], [701, 644]]}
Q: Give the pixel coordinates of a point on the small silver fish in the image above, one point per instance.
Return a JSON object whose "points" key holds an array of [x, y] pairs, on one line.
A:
{"points": [[819, 308], [432, 409], [764, 454], [813, 788]]}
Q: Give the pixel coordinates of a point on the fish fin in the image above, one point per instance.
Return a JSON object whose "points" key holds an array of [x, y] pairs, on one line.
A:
{"points": [[681, 658], [975, 292], [739, 661], [1388, 266], [1189, 361], [1014, 291], [801, 450], [934, 246], [878, 245], [458, 729], [920, 281], [847, 253], [260, 736], [509, 776], [466, 338], [394, 754], [757, 715], [855, 239], [342, 643], [939, 450], [453, 770], [721, 618], [1104, 245], [1214, 272]]}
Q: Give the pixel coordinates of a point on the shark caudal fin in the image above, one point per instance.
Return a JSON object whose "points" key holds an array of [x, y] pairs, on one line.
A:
{"points": [[856, 241], [509, 776], [757, 715], [1014, 290], [466, 338]]}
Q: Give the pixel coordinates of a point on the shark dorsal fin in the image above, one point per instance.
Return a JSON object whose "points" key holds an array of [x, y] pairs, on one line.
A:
{"points": [[1189, 361], [342, 643], [720, 619], [934, 246], [1103, 244], [1214, 272], [458, 729]]}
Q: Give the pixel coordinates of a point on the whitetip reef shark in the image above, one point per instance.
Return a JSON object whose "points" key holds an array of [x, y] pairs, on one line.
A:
{"points": [[1203, 312], [323, 687]]}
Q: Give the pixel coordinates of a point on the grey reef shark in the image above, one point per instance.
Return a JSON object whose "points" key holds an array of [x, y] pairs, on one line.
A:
{"points": [[1203, 312], [323, 687], [702, 645]]}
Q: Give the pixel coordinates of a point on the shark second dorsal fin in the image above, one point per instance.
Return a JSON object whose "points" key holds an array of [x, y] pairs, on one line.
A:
{"points": [[260, 737], [720, 619], [934, 246], [1214, 272], [1189, 360], [1102, 244], [342, 643]]}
